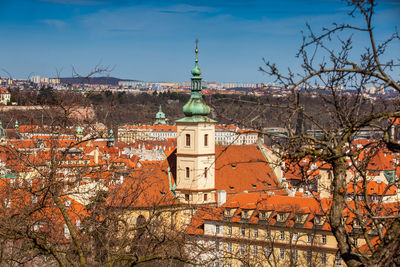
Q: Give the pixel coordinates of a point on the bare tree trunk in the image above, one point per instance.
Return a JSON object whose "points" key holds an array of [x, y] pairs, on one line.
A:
{"points": [[339, 166]]}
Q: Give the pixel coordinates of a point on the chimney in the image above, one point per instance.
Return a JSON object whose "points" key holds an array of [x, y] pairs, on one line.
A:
{"points": [[221, 197], [96, 155]]}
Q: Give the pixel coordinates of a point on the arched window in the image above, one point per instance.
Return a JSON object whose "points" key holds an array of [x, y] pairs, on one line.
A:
{"points": [[188, 140], [187, 172]]}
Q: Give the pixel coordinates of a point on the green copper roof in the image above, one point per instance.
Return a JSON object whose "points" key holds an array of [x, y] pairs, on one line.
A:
{"points": [[160, 118], [79, 130], [111, 136], [160, 114], [2, 131], [196, 119], [16, 126], [195, 107]]}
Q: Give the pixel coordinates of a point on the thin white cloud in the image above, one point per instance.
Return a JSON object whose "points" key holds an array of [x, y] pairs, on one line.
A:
{"points": [[59, 24], [77, 2], [190, 19]]}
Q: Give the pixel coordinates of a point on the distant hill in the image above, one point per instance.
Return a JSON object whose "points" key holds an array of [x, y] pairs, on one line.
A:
{"points": [[93, 80]]}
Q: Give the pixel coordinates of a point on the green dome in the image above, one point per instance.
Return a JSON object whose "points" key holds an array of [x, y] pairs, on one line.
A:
{"points": [[196, 71], [196, 107]]}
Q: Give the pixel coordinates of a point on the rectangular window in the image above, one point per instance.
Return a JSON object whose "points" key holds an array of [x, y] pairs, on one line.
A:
{"points": [[205, 197], [187, 197], [243, 231], [282, 253], [268, 234], [255, 251], [295, 254], [309, 239], [206, 140], [323, 258], [255, 233], [295, 236], [188, 140], [217, 229], [242, 249], [230, 247], [229, 230], [268, 252], [187, 172], [323, 239], [205, 172], [282, 235], [338, 260], [309, 256]]}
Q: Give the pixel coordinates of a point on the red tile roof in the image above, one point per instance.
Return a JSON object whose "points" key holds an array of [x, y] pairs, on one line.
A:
{"points": [[243, 168], [373, 187], [4, 91], [310, 207]]}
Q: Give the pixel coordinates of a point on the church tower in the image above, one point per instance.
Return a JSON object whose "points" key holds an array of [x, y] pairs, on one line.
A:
{"points": [[196, 147], [160, 118]]}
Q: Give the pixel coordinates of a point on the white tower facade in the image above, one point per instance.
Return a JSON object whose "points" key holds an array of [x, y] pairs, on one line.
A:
{"points": [[196, 148]]}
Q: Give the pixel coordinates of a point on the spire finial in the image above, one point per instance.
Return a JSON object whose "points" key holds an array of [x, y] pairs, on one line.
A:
{"points": [[196, 70], [197, 50]]}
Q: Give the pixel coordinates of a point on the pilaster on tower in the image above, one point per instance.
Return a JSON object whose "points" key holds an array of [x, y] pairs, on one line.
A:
{"points": [[196, 147]]}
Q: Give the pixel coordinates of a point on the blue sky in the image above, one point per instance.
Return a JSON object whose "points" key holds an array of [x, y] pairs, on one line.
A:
{"points": [[153, 40]]}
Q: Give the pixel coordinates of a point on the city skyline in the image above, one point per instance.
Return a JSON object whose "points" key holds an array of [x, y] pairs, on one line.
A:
{"points": [[154, 40]]}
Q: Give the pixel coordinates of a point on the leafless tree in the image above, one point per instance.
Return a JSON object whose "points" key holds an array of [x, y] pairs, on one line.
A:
{"points": [[338, 76]]}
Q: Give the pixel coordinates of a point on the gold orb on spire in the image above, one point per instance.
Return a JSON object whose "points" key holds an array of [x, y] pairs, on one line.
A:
{"points": [[197, 50]]}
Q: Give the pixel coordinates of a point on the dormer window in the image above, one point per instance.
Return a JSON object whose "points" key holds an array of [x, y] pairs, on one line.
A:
{"points": [[262, 215], [245, 213], [228, 212], [299, 218], [281, 217], [317, 219]]}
